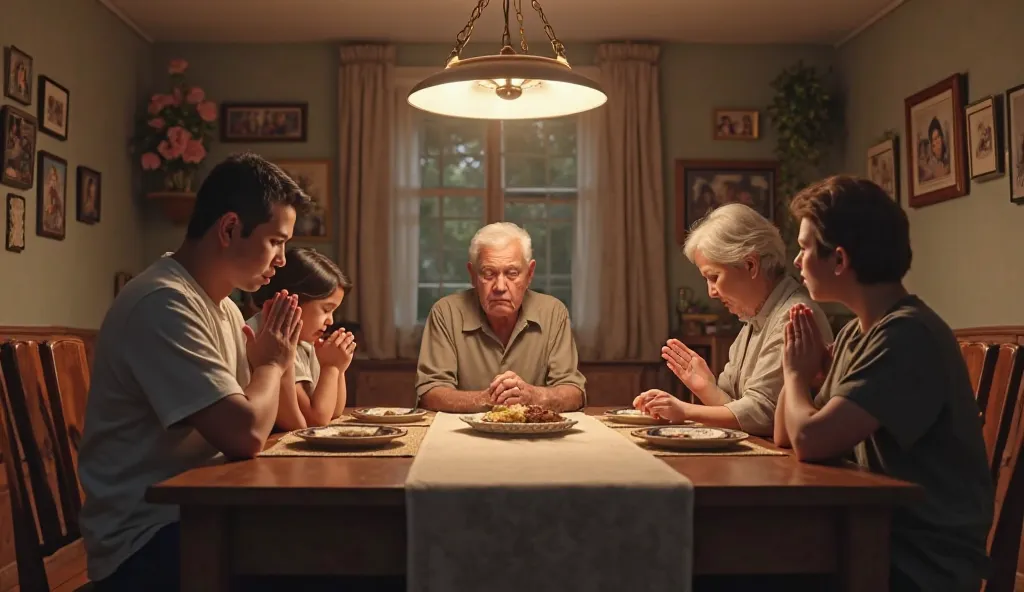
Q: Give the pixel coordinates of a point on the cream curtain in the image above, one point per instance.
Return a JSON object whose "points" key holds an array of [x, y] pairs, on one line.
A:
{"points": [[366, 120], [621, 244]]}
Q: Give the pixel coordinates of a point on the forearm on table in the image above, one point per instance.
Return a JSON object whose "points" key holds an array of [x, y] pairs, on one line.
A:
{"points": [[561, 397], [452, 400], [712, 415], [263, 394], [324, 398], [290, 414], [339, 405], [798, 411]]}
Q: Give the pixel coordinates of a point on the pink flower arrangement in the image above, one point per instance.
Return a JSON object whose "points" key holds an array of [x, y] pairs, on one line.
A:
{"points": [[174, 132]]}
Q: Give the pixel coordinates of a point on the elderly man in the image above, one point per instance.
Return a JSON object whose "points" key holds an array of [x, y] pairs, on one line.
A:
{"points": [[499, 343]]}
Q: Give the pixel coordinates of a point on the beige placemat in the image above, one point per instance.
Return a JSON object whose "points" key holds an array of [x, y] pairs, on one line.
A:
{"points": [[347, 419], [513, 513], [745, 448], [408, 445]]}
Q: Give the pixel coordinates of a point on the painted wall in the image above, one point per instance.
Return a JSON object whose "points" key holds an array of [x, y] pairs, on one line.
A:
{"points": [[966, 251], [106, 67]]}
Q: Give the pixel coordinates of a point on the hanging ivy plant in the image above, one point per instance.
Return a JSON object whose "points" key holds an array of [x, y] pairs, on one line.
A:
{"points": [[804, 115]]}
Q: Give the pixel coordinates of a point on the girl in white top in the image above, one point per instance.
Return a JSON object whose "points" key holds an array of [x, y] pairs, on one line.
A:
{"points": [[313, 389]]}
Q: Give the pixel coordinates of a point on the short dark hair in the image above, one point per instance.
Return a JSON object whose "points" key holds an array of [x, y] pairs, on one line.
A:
{"points": [[309, 274], [248, 185], [859, 216]]}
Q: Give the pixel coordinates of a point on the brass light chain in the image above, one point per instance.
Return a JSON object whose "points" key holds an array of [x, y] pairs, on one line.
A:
{"points": [[556, 45], [463, 37], [522, 32]]}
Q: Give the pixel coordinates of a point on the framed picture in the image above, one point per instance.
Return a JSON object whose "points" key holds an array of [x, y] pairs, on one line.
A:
{"points": [[263, 122], [18, 75], [51, 196], [703, 185], [19, 148], [120, 279], [88, 195], [15, 223], [884, 166], [736, 124], [54, 102], [984, 122], [1015, 140], [314, 177], [936, 161]]}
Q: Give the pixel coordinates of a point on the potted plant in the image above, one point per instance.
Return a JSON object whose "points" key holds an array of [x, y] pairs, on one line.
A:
{"points": [[172, 139]]}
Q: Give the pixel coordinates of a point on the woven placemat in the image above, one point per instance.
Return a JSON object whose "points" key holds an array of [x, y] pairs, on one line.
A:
{"points": [[408, 445], [745, 448], [348, 419]]}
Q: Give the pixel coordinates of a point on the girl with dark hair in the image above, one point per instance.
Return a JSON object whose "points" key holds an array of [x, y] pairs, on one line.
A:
{"points": [[313, 389]]}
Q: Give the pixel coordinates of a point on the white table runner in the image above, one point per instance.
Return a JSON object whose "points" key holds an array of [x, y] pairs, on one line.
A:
{"points": [[588, 510]]}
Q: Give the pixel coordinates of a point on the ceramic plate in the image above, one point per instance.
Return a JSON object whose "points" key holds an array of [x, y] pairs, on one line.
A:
{"points": [[349, 436], [477, 423], [690, 437], [388, 414], [633, 417]]}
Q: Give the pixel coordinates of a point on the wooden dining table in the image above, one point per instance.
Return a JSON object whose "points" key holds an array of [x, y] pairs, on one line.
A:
{"points": [[346, 516]]}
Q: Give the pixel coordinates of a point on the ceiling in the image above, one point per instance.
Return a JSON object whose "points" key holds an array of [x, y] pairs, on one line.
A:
{"points": [[410, 21]]}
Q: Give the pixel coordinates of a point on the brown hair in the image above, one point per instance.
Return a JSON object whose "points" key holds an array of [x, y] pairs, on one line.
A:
{"points": [[859, 216], [306, 272]]}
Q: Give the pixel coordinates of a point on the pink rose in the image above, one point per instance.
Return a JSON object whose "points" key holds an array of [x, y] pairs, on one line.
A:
{"points": [[176, 97], [178, 137], [150, 161], [195, 95], [157, 123], [194, 152], [168, 151], [158, 102], [207, 111], [177, 66]]}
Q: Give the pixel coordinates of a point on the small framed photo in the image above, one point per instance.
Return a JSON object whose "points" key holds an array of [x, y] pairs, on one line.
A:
{"points": [[936, 159], [18, 151], [736, 124], [884, 166], [703, 185], [263, 122], [88, 196], [1015, 140], [54, 102], [51, 196], [984, 122], [15, 223], [18, 75], [314, 178], [120, 279]]}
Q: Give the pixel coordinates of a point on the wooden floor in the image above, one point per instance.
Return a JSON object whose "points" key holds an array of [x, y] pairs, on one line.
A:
{"points": [[65, 571]]}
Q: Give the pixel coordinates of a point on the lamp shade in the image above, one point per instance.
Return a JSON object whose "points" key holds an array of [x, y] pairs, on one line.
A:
{"points": [[509, 86]]}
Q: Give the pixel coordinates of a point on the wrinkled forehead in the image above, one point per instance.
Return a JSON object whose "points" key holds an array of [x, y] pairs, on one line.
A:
{"points": [[509, 256]]}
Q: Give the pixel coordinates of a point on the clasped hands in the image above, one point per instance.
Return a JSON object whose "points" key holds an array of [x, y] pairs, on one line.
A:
{"points": [[508, 388], [806, 358]]}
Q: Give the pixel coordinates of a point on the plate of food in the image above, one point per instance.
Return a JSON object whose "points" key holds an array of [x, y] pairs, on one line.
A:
{"points": [[690, 437], [633, 417], [519, 419], [388, 414], [349, 436]]}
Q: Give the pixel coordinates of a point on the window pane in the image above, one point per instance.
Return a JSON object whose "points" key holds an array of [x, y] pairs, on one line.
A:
{"points": [[457, 234], [563, 294], [562, 172], [539, 238], [464, 136], [430, 249], [463, 171], [561, 136], [525, 171], [431, 140], [562, 211], [521, 212], [561, 237], [524, 137], [453, 288], [430, 172], [428, 207], [464, 207], [425, 298]]}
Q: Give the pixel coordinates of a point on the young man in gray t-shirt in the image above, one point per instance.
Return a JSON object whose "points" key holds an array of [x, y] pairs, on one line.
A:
{"points": [[178, 381], [896, 394]]}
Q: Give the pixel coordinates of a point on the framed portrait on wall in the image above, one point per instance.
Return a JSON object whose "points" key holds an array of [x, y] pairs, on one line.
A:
{"points": [[984, 121], [17, 75], [703, 185], [263, 122], [18, 150], [1015, 141], [884, 166], [736, 124], [936, 159], [54, 108], [314, 177], [15, 229], [51, 196], [88, 195]]}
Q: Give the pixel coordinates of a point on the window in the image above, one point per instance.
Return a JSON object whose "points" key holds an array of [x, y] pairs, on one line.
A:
{"points": [[474, 172]]}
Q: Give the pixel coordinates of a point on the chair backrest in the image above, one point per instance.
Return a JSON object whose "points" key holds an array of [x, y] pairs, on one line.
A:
{"points": [[980, 359], [66, 370], [1008, 521], [43, 487], [1002, 397]]}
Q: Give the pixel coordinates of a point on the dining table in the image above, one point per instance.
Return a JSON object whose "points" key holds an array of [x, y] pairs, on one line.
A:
{"points": [[751, 515]]}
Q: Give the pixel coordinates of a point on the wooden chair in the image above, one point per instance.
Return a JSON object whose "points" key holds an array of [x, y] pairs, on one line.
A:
{"points": [[1002, 397], [66, 370], [980, 359], [1008, 521], [44, 490]]}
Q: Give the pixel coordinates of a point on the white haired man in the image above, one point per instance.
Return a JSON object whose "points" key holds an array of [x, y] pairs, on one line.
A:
{"points": [[499, 342]]}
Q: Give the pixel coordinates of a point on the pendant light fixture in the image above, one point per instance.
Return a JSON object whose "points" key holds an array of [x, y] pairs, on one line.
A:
{"points": [[508, 85]]}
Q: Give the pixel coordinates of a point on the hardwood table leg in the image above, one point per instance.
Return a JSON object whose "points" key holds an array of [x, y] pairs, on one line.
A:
{"points": [[864, 563], [205, 559]]}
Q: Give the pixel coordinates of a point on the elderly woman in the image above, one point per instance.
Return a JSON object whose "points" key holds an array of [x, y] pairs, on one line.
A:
{"points": [[742, 257]]}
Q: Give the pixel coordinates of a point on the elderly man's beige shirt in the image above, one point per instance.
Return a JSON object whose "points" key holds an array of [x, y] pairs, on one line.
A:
{"points": [[753, 375], [459, 350]]}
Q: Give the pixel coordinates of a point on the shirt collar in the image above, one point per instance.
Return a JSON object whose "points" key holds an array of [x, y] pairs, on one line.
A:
{"points": [[475, 318], [780, 293]]}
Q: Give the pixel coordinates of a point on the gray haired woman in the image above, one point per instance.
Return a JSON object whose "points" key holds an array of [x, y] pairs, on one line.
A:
{"points": [[741, 256]]}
